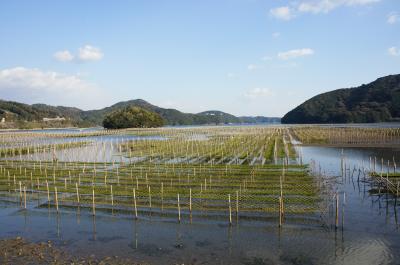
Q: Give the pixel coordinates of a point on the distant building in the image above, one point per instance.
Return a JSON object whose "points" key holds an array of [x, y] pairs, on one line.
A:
{"points": [[3, 120], [58, 118]]}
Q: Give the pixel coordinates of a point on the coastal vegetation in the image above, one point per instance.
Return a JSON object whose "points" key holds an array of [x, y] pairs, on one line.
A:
{"points": [[347, 136], [24, 116], [378, 101], [132, 117]]}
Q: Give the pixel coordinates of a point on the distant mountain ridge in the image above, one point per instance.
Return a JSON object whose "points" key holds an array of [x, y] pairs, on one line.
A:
{"points": [[378, 101], [19, 113]]}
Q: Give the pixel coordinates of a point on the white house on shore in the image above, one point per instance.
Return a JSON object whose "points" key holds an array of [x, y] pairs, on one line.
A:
{"points": [[58, 118]]}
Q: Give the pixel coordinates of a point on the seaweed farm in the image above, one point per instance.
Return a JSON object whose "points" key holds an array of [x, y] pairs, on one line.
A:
{"points": [[230, 174], [215, 195]]}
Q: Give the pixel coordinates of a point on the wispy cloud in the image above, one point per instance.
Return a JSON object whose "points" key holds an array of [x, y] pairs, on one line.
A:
{"points": [[295, 53], [258, 93], [63, 56], [32, 85], [314, 7], [325, 6], [394, 51], [282, 13], [90, 53], [85, 54], [393, 18]]}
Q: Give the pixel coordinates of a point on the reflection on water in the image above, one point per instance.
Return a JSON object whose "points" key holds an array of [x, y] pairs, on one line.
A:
{"points": [[170, 243], [103, 148]]}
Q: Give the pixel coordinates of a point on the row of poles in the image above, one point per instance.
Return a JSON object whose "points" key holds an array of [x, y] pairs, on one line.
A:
{"points": [[23, 201]]}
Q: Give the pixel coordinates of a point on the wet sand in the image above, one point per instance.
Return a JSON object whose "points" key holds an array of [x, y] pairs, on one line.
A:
{"points": [[19, 251]]}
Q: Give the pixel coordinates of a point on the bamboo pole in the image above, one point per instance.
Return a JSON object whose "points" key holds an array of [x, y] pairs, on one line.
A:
{"points": [[93, 203], [162, 196], [48, 193], [112, 197], [190, 200], [237, 204], [24, 197], [150, 198], [134, 203], [179, 210], [343, 206], [20, 193], [56, 197], [337, 211], [230, 209], [77, 192], [280, 212]]}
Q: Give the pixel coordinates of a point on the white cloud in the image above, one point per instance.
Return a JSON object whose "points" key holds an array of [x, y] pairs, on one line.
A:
{"points": [[85, 53], [90, 53], [315, 7], [63, 56], [282, 13], [231, 75], [325, 6], [295, 53], [394, 51], [258, 93], [32, 85], [393, 18]]}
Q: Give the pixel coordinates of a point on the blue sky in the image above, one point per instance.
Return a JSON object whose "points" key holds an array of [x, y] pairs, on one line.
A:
{"points": [[245, 57]]}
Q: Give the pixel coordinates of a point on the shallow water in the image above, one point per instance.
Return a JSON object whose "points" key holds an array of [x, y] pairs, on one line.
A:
{"points": [[368, 232]]}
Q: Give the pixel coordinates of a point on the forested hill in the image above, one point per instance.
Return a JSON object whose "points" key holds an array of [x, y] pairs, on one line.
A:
{"points": [[378, 101], [24, 115]]}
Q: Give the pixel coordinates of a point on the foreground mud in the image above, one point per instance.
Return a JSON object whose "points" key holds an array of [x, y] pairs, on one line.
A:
{"points": [[19, 251]]}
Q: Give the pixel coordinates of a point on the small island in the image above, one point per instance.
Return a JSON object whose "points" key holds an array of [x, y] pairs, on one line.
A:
{"points": [[132, 117]]}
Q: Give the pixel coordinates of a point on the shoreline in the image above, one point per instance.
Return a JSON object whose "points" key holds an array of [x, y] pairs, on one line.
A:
{"points": [[18, 250]]}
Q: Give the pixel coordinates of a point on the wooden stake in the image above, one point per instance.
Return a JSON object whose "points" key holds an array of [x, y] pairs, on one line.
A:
{"points": [[150, 197], [230, 209], [77, 192], [56, 197], [134, 202], [112, 197], [20, 193], [280, 211], [237, 204], [337, 211], [24, 197], [162, 196], [179, 210], [190, 200], [94, 205], [48, 193]]}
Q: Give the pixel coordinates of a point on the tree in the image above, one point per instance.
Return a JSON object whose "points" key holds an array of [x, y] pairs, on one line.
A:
{"points": [[132, 117]]}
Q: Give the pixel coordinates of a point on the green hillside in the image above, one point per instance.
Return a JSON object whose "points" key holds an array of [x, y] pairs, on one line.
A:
{"points": [[19, 115], [378, 101], [132, 117]]}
